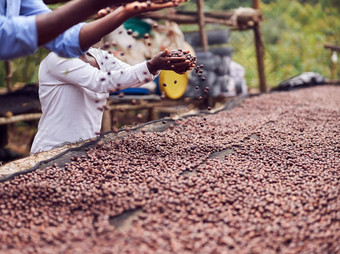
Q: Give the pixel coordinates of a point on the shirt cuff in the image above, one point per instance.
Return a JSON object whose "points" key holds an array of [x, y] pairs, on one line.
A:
{"points": [[144, 74], [67, 44], [79, 27]]}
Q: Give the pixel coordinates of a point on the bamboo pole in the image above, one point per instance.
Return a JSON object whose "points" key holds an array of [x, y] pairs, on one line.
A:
{"points": [[259, 51], [201, 24]]}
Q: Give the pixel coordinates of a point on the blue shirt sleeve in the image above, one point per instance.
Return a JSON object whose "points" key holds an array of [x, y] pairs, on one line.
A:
{"points": [[67, 44], [33, 7], [17, 37], [18, 34]]}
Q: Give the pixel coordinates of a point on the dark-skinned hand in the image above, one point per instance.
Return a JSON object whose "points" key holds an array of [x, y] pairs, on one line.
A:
{"points": [[139, 7], [164, 61]]}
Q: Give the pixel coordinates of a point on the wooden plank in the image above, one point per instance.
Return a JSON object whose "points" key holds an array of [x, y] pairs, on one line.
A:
{"points": [[19, 118], [129, 98]]}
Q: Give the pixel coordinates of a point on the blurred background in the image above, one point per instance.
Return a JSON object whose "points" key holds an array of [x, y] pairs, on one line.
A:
{"points": [[294, 34]]}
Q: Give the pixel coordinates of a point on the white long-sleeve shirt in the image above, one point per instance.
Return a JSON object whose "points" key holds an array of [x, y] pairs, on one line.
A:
{"points": [[72, 94]]}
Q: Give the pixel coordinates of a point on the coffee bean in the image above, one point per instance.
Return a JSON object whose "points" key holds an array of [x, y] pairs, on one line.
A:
{"points": [[222, 182]]}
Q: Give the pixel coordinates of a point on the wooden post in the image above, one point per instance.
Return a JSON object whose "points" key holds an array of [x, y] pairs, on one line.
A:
{"points": [[106, 121], [3, 136], [256, 4], [259, 51], [201, 23], [334, 63], [334, 59], [8, 75]]}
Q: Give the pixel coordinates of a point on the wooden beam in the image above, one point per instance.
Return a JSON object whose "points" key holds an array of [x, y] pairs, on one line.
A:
{"points": [[201, 24], [259, 46], [243, 17], [19, 118], [245, 20], [332, 47], [184, 19]]}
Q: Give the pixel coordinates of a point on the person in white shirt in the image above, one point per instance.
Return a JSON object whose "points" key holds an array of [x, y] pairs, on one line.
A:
{"points": [[73, 92]]}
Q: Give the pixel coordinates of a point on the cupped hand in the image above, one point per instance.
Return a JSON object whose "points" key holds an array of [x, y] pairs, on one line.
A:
{"points": [[138, 7], [164, 61]]}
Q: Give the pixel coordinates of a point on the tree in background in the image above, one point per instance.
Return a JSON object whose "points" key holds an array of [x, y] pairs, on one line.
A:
{"points": [[294, 34]]}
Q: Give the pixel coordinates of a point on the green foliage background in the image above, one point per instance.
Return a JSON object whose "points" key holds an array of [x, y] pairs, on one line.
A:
{"points": [[294, 33]]}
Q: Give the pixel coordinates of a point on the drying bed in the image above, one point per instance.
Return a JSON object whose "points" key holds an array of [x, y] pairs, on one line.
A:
{"points": [[261, 178]]}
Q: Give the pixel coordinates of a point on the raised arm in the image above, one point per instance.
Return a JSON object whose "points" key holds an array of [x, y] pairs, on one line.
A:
{"points": [[50, 25], [22, 33], [55, 70], [92, 32]]}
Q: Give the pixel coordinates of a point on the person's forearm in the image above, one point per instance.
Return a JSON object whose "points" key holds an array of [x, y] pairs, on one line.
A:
{"points": [[50, 25], [92, 32]]}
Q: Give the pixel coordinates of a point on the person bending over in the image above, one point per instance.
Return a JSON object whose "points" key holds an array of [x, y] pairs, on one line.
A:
{"points": [[26, 25], [74, 92]]}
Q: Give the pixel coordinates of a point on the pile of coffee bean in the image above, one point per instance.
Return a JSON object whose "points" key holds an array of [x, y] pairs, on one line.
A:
{"points": [[261, 178]]}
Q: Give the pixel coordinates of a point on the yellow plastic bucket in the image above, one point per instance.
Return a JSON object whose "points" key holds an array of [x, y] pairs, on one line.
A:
{"points": [[175, 84]]}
